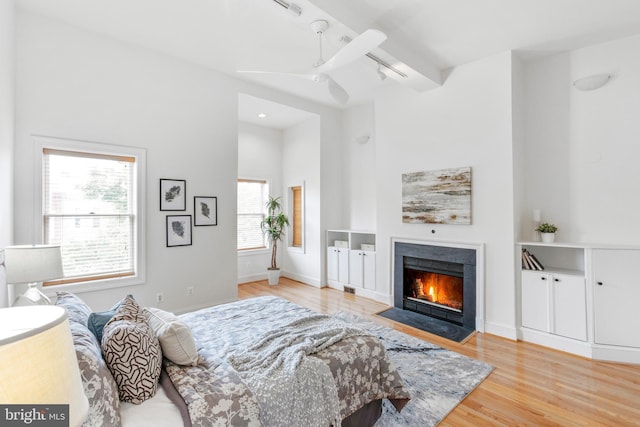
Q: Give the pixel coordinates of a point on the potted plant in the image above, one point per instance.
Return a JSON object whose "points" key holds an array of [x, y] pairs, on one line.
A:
{"points": [[273, 227], [547, 232]]}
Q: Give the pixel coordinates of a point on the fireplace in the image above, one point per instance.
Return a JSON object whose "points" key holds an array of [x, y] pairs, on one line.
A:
{"points": [[436, 281]]}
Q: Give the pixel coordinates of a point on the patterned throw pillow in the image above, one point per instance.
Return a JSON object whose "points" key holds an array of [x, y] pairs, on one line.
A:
{"points": [[175, 337], [99, 385], [132, 353], [77, 309]]}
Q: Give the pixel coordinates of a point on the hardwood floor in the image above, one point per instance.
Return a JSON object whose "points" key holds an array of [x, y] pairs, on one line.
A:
{"points": [[531, 385]]}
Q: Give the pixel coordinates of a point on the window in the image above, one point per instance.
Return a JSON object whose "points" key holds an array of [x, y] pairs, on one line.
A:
{"points": [[297, 218], [91, 196], [252, 196]]}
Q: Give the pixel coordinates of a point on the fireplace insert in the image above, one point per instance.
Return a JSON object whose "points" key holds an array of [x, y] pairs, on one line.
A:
{"points": [[436, 281], [434, 288]]}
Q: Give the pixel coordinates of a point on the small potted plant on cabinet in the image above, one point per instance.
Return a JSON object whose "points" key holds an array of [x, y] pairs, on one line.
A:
{"points": [[547, 232], [273, 227]]}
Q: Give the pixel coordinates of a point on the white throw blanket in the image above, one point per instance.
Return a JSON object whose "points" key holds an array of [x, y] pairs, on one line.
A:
{"points": [[293, 389]]}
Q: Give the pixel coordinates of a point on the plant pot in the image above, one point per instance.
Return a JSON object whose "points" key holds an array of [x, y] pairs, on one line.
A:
{"points": [[273, 275], [548, 237]]}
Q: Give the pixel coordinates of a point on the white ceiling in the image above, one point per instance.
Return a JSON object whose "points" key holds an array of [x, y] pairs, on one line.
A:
{"points": [[277, 116], [425, 37]]}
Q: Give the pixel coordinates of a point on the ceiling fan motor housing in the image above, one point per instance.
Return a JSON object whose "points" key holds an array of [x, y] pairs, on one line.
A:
{"points": [[319, 26]]}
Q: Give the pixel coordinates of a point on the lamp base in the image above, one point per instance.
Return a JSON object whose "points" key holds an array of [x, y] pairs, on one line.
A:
{"points": [[32, 296]]}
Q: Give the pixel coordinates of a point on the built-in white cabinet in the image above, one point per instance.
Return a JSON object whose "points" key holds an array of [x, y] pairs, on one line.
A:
{"points": [[362, 269], [554, 303], [616, 297], [569, 299], [585, 301], [535, 301], [351, 260], [338, 264]]}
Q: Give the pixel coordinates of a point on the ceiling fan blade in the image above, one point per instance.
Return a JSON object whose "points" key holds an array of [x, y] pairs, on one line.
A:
{"points": [[355, 49], [337, 92]]}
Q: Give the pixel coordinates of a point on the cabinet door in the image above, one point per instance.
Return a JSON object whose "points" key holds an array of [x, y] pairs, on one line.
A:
{"points": [[343, 265], [535, 300], [332, 263], [616, 296], [355, 268], [569, 306], [369, 270]]}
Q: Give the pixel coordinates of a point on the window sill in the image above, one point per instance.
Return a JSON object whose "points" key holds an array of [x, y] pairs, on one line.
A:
{"points": [[251, 252], [93, 285]]}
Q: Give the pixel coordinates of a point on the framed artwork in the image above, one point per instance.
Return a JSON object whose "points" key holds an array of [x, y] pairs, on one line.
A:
{"points": [[173, 194], [437, 197], [205, 211], [178, 230]]}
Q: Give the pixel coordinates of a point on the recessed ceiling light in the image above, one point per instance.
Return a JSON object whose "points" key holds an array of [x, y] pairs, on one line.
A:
{"points": [[262, 115]]}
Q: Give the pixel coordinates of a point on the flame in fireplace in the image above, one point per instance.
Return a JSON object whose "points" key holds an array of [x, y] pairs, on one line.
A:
{"points": [[440, 289]]}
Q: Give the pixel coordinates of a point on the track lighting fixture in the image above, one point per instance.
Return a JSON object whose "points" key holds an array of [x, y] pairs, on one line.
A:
{"points": [[291, 7], [381, 62]]}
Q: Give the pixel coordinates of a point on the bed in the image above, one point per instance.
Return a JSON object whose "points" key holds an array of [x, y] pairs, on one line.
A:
{"points": [[262, 361]]}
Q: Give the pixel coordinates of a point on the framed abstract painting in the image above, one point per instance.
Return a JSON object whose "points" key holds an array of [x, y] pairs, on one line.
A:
{"points": [[437, 197]]}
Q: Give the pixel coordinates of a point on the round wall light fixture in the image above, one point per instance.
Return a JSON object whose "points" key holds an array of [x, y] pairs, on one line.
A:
{"points": [[592, 82]]}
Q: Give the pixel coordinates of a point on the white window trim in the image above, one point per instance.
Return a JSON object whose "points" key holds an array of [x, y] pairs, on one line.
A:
{"points": [[42, 141], [296, 249], [254, 251]]}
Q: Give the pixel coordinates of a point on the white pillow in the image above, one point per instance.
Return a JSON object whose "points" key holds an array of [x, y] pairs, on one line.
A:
{"points": [[174, 335]]}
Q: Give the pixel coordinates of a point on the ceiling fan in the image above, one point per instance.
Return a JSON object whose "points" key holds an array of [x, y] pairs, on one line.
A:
{"points": [[354, 50]]}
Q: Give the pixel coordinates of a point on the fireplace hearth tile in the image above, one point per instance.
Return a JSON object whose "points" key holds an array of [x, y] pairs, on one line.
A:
{"points": [[428, 324]]}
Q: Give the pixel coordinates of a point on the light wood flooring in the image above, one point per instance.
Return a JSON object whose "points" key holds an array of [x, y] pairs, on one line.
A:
{"points": [[531, 385]]}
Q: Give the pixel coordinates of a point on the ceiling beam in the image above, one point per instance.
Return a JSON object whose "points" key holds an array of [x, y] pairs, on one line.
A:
{"points": [[398, 50]]}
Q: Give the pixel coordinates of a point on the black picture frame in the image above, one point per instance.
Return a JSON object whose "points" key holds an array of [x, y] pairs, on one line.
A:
{"points": [[205, 211], [179, 230], [173, 194]]}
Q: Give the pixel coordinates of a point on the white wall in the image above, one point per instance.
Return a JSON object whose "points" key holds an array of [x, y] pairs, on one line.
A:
{"points": [[466, 122], [74, 84], [360, 171], [605, 145], [301, 165], [589, 140], [332, 179], [546, 170], [259, 156], [7, 114]]}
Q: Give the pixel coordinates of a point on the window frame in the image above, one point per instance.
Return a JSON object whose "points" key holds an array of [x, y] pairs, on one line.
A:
{"points": [[291, 210], [54, 143], [266, 248]]}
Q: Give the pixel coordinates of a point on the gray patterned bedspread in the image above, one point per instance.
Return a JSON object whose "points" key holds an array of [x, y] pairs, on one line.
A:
{"points": [[217, 394]]}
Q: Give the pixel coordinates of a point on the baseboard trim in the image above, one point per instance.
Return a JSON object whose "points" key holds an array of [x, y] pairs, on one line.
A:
{"points": [[500, 329], [362, 292], [251, 278], [315, 282]]}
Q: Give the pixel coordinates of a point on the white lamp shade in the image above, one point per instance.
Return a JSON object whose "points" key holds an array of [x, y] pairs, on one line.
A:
{"points": [[38, 363], [32, 263]]}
